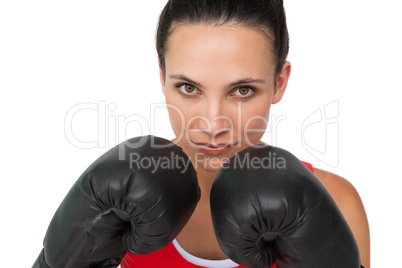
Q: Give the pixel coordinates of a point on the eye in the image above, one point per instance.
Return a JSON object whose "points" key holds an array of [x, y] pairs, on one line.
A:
{"points": [[244, 91], [188, 89]]}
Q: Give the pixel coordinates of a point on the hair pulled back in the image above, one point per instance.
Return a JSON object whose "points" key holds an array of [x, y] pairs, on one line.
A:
{"points": [[267, 16]]}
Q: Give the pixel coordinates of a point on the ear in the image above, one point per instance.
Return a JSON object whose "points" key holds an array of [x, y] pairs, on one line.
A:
{"points": [[282, 82], [161, 76]]}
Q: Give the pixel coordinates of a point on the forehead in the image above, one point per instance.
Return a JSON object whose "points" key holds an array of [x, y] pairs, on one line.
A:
{"points": [[206, 48]]}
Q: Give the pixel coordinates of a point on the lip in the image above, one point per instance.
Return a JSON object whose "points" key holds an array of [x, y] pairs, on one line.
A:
{"points": [[213, 149]]}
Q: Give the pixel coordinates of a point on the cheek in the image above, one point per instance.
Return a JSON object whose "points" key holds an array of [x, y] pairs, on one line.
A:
{"points": [[176, 115], [254, 122], [180, 114], [176, 122]]}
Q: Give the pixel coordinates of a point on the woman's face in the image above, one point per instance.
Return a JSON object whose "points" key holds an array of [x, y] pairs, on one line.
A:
{"points": [[219, 84]]}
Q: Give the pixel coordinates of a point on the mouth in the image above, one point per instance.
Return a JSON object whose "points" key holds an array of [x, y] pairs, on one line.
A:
{"points": [[214, 148]]}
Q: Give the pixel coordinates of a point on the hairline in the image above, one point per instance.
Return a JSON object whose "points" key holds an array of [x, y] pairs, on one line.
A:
{"points": [[264, 30]]}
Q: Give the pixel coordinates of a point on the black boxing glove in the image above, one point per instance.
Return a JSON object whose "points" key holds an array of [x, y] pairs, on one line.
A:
{"points": [[136, 197], [269, 207]]}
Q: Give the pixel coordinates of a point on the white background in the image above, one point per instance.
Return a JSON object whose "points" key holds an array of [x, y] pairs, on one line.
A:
{"points": [[57, 54]]}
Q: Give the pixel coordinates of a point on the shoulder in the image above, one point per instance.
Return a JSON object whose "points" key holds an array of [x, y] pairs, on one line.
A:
{"points": [[341, 190], [349, 202]]}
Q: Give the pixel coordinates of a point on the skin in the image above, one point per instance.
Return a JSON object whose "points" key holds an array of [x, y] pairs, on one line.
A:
{"points": [[204, 62]]}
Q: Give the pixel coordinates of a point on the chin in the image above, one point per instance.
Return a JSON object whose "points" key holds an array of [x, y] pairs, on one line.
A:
{"points": [[210, 163]]}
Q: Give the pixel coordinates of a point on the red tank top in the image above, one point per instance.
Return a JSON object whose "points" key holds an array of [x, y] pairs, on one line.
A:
{"points": [[168, 257]]}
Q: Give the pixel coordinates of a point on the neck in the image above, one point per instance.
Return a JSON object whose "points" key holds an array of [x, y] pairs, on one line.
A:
{"points": [[198, 236], [205, 181], [205, 177]]}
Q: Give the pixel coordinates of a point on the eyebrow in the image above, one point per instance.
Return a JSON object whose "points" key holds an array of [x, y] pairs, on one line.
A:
{"points": [[247, 81], [236, 83], [185, 78]]}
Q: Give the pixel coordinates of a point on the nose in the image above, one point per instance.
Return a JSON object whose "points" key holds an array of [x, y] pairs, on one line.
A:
{"points": [[214, 120]]}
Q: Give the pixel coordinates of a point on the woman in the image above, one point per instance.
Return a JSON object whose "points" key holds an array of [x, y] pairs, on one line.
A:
{"points": [[222, 64]]}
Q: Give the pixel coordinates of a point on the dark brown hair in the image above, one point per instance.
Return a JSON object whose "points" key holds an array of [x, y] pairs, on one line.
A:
{"points": [[267, 16]]}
